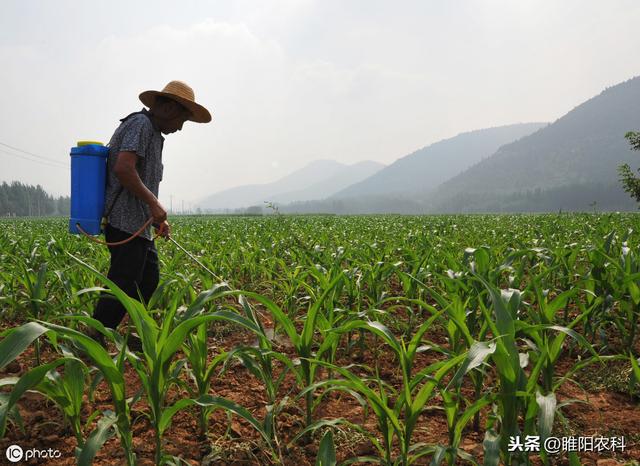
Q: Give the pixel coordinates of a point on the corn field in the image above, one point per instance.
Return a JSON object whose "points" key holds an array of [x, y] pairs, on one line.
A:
{"points": [[324, 340]]}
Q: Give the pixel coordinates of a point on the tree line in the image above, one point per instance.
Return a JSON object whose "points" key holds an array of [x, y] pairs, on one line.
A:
{"points": [[22, 200]]}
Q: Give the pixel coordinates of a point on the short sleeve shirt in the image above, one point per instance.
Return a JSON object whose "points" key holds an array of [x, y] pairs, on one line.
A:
{"points": [[136, 134]]}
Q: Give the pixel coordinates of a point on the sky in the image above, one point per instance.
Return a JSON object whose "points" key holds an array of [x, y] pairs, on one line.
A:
{"points": [[292, 81]]}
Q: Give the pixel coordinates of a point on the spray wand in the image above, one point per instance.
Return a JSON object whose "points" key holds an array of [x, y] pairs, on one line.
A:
{"points": [[137, 233], [195, 259]]}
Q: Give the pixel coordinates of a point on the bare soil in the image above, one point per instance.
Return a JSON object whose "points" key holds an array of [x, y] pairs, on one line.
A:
{"points": [[597, 409]]}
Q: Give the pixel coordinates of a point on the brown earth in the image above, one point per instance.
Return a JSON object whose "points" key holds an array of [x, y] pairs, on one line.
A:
{"points": [[607, 411]]}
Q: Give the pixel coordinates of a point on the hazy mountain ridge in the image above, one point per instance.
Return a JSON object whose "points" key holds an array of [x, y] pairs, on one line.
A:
{"points": [[336, 182], [570, 164], [300, 185], [581, 149], [426, 168]]}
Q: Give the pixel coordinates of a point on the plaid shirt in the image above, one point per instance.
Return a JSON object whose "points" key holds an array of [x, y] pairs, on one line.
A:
{"points": [[136, 134]]}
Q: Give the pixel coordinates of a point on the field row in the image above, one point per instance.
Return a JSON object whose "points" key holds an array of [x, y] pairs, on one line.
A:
{"points": [[320, 339]]}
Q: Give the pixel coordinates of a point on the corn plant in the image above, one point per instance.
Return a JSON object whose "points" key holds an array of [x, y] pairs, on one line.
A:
{"points": [[201, 370], [35, 292], [397, 412], [623, 279], [158, 368], [520, 394], [66, 392], [302, 342]]}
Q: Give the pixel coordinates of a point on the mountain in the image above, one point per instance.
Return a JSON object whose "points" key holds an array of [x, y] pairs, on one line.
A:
{"points": [[570, 164], [346, 176], [423, 170], [320, 178]]}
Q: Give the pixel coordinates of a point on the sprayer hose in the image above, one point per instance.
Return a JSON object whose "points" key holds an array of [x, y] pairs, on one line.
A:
{"points": [[117, 243]]}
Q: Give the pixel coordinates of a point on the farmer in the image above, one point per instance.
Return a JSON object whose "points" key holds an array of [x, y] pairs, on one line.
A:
{"points": [[134, 171]]}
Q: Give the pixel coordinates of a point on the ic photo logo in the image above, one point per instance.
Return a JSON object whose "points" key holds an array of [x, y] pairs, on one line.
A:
{"points": [[14, 453]]}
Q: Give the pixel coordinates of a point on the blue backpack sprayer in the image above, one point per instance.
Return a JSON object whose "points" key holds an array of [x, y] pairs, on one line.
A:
{"points": [[88, 181]]}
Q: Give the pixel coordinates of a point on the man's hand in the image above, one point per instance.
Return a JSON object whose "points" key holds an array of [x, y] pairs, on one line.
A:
{"points": [[158, 212], [164, 229]]}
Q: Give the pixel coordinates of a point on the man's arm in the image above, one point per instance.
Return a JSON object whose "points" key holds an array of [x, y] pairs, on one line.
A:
{"points": [[125, 170]]}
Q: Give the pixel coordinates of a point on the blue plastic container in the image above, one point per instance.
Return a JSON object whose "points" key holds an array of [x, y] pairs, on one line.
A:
{"points": [[88, 172]]}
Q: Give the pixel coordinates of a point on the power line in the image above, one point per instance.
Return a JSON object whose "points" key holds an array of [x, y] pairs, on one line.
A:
{"points": [[48, 164], [46, 159]]}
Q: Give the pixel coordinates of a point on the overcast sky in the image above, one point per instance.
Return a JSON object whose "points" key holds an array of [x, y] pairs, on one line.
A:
{"points": [[291, 81]]}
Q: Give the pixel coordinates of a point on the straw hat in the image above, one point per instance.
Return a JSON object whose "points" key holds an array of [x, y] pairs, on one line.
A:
{"points": [[181, 93]]}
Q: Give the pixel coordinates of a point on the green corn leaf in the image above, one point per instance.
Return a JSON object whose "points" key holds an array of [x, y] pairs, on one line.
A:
{"points": [[143, 322], [467, 415], [177, 337], [635, 376], [356, 384], [14, 413], [215, 402], [558, 303], [170, 411], [574, 459], [279, 316], [309, 324], [203, 298], [17, 340], [546, 414], [491, 445], [27, 382], [634, 291], [74, 379], [438, 456], [235, 408], [426, 391], [103, 431], [478, 352], [102, 361], [326, 451]]}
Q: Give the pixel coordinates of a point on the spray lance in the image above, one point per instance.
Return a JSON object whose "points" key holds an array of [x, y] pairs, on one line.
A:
{"points": [[192, 257], [88, 180]]}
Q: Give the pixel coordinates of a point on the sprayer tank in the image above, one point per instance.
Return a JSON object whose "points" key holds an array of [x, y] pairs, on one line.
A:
{"points": [[88, 172]]}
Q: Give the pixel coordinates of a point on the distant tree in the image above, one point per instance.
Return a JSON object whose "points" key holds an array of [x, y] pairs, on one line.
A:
{"points": [[17, 199], [629, 181], [253, 210]]}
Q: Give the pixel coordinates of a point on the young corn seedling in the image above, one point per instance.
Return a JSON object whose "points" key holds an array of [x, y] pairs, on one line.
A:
{"points": [[520, 395], [302, 342], [397, 412], [260, 361], [157, 367], [35, 292], [507, 364], [458, 409], [464, 325], [622, 280], [464, 331], [201, 370], [67, 390]]}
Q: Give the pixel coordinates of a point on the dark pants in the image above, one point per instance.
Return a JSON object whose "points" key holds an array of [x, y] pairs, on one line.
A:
{"points": [[134, 268]]}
